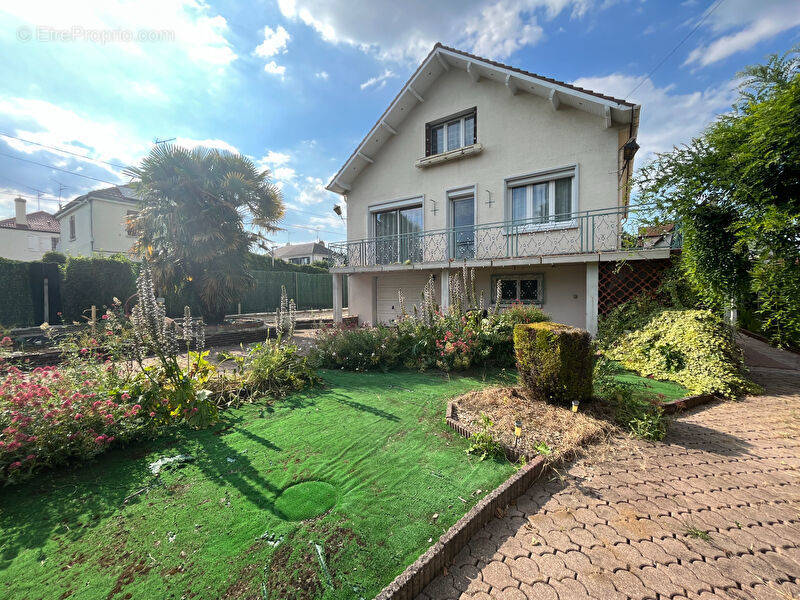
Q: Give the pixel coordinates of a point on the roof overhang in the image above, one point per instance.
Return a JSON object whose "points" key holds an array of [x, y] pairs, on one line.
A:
{"points": [[442, 59]]}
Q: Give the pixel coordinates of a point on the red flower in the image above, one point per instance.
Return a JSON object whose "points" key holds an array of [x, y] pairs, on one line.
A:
{"points": [[78, 416]]}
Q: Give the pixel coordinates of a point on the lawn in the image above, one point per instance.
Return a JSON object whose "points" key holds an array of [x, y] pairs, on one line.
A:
{"points": [[646, 388], [366, 460]]}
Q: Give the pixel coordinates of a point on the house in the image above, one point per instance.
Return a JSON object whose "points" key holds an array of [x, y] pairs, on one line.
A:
{"points": [[303, 254], [27, 236], [95, 223], [659, 236], [520, 177]]}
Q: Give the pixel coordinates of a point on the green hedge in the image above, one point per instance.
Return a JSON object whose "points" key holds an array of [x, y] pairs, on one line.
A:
{"points": [[555, 362], [97, 281], [16, 303]]}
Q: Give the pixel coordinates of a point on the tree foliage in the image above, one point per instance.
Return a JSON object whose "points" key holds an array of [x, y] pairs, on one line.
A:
{"points": [[735, 190], [191, 229]]}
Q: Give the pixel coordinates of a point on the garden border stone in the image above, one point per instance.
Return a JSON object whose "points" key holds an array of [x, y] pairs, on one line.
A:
{"points": [[427, 567], [681, 404]]}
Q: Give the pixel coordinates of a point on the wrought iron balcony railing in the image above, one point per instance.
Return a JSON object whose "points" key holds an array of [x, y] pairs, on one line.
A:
{"points": [[606, 230]]}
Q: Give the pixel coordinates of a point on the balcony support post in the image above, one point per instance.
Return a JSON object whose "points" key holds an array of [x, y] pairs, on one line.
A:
{"points": [[592, 281], [444, 302], [337, 297]]}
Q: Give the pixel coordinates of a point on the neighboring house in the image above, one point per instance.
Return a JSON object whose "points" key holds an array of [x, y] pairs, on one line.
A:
{"points": [[27, 236], [95, 223], [303, 254], [519, 176], [659, 236]]}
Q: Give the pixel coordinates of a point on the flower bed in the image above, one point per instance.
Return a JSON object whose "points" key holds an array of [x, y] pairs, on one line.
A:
{"points": [[48, 419], [465, 336]]}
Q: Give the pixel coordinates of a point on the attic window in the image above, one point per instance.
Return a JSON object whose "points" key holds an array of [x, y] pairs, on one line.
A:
{"points": [[451, 133]]}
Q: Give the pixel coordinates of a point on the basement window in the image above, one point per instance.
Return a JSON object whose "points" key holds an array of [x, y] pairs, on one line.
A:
{"points": [[451, 133], [518, 288]]}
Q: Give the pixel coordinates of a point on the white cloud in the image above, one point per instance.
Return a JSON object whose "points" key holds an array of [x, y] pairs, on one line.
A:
{"points": [[668, 116], [744, 24], [322, 75], [188, 25], [273, 159], [501, 29], [275, 41], [379, 80], [50, 124], [397, 31], [215, 144], [311, 190], [274, 68]]}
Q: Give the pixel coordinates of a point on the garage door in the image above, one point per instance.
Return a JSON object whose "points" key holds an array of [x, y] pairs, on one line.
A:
{"points": [[411, 283]]}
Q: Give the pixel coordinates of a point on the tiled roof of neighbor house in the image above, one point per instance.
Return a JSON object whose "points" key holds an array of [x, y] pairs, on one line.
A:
{"points": [[37, 221], [656, 230], [295, 250], [123, 193]]}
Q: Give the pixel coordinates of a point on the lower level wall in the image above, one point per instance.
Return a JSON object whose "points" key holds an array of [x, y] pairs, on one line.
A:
{"points": [[374, 297]]}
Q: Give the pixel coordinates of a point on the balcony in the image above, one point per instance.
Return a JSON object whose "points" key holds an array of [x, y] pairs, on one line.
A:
{"points": [[581, 235]]}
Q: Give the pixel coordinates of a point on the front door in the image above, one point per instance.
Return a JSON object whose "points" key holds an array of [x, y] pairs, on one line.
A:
{"points": [[463, 245]]}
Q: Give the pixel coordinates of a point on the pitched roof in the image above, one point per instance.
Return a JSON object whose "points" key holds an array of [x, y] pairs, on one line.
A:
{"points": [[441, 59], [37, 221], [306, 249], [120, 193]]}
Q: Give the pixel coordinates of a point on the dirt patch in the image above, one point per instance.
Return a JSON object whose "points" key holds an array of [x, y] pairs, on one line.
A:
{"points": [[303, 582], [556, 426], [129, 573]]}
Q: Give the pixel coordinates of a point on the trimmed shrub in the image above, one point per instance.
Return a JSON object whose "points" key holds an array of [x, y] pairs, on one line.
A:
{"points": [[16, 303], [97, 281], [555, 362], [692, 347]]}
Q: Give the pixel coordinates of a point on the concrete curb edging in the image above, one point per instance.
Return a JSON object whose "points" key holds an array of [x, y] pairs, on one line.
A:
{"points": [[681, 404], [427, 567], [420, 573]]}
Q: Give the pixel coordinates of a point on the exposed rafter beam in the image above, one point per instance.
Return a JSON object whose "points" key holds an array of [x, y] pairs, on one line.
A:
{"points": [[443, 62], [388, 128], [365, 157], [415, 93], [607, 116], [472, 70], [554, 100], [511, 85]]}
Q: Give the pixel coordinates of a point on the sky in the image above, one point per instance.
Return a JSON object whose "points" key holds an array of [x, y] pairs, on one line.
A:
{"points": [[296, 84]]}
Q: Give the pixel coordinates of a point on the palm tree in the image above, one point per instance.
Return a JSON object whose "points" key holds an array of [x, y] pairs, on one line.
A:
{"points": [[191, 229]]}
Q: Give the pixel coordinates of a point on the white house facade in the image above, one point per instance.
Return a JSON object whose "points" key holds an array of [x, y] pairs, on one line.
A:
{"points": [[95, 223], [521, 177], [27, 236]]}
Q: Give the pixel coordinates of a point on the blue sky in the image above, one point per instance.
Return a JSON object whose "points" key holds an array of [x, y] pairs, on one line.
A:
{"points": [[295, 84]]}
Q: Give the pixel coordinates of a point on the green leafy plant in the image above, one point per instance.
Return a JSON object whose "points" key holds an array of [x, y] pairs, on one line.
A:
{"points": [[275, 370], [543, 449], [692, 347], [699, 534], [482, 443]]}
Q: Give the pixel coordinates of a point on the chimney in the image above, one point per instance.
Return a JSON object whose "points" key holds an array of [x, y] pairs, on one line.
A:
{"points": [[21, 216]]}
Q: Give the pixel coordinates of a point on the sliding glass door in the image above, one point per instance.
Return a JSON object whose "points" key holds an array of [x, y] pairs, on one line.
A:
{"points": [[397, 235]]}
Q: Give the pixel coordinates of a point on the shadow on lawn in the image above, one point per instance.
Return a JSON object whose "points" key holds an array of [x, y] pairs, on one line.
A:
{"points": [[64, 506]]}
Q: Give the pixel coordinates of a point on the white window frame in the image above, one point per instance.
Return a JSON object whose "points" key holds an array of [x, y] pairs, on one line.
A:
{"points": [[549, 177], [462, 119], [539, 277]]}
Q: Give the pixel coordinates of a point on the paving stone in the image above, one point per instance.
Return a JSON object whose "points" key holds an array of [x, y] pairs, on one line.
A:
{"points": [[725, 468], [539, 591], [498, 574]]}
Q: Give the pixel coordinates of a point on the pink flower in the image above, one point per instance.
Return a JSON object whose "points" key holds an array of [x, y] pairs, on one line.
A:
{"points": [[78, 416], [152, 414], [84, 350], [14, 465], [100, 439], [104, 317], [126, 396]]}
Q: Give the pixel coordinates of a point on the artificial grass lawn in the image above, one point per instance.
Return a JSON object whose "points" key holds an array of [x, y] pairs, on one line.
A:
{"points": [[649, 389], [370, 449]]}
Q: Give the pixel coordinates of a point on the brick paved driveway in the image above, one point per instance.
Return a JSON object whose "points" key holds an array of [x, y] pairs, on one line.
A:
{"points": [[713, 512]]}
